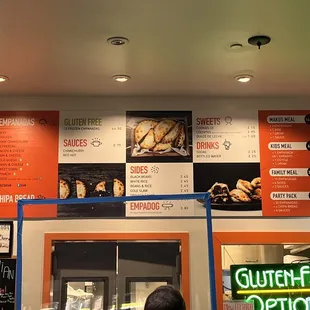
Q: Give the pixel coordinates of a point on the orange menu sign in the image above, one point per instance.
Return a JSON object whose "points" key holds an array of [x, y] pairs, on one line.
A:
{"points": [[285, 162], [28, 161]]}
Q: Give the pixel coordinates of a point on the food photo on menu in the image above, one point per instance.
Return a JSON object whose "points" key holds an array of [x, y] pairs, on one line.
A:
{"points": [[159, 136], [232, 186], [89, 181]]}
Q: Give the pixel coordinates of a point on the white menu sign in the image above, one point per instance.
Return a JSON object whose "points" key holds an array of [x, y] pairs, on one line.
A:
{"points": [[92, 137], [238, 305], [232, 137], [159, 178], [5, 238]]}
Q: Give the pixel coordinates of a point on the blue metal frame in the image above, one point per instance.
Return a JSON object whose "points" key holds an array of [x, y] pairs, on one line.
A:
{"points": [[20, 219]]}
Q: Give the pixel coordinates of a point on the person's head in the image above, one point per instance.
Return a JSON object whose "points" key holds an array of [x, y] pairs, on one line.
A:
{"points": [[165, 298]]}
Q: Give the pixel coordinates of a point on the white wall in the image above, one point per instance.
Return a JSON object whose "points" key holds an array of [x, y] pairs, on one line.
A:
{"points": [[34, 231], [153, 103], [33, 238]]}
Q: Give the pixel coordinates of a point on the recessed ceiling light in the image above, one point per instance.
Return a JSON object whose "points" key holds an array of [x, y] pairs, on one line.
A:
{"points": [[121, 78], [236, 46], [117, 41], [244, 78], [3, 78]]}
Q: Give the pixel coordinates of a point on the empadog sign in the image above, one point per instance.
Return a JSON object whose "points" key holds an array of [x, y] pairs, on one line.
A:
{"points": [[276, 287]]}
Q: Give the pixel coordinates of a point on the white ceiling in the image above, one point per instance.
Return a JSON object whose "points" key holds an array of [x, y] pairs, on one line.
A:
{"points": [[58, 47]]}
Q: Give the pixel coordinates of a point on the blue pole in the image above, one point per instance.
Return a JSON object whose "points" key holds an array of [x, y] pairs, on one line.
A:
{"points": [[19, 264], [210, 252]]}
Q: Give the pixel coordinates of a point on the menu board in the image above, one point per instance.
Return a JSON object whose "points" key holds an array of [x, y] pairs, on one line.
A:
{"points": [[253, 163], [28, 161], [285, 162], [229, 137], [7, 283], [92, 137], [151, 179]]}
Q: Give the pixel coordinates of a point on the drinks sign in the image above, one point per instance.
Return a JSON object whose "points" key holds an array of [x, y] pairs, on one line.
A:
{"points": [[276, 287]]}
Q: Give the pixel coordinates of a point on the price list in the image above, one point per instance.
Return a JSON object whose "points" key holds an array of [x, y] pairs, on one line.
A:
{"points": [[92, 137], [155, 179], [226, 138], [285, 162], [28, 160]]}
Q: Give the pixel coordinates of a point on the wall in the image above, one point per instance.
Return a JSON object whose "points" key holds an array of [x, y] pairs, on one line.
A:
{"points": [[34, 231], [33, 238]]}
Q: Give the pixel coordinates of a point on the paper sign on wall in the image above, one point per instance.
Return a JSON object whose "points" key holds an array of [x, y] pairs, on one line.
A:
{"points": [[6, 239], [238, 305]]}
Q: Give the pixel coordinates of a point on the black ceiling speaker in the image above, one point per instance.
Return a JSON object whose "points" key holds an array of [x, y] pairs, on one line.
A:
{"points": [[259, 41]]}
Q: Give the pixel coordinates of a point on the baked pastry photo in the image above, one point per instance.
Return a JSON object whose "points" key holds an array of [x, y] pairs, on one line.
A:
{"points": [[100, 187], [64, 189], [118, 188], [143, 128], [149, 140], [256, 182], [237, 195], [164, 137], [80, 189], [245, 186], [162, 128], [245, 192]]}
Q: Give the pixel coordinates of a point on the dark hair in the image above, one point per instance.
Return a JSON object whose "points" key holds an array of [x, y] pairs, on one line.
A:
{"points": [[165, 298]]}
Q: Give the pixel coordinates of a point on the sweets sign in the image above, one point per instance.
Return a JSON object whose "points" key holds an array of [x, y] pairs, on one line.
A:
{"points": [[278, 287]]}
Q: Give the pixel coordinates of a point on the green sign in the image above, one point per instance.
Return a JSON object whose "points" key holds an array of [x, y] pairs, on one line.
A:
{"points": [[277, 287]]}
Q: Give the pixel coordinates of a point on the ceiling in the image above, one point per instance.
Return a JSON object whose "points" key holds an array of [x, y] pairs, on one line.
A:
{"points": [[177, 47]]}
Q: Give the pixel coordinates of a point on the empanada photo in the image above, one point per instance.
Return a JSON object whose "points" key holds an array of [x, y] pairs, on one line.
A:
{"points": [[64, 189], [256, 182], [160, 147], [143, 128], [149, 140], [162, 128], [172, 134], [245, 186], [180, 140], [100, 187], [257, 194], [80, 189], [118, 188], [238, 195]]}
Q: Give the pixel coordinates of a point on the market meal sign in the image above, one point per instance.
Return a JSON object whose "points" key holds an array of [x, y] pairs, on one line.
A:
{"points": [[277, 287]]}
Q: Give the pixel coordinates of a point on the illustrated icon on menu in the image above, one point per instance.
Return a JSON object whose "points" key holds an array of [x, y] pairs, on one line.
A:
{"points": [[155, 169], [227, 144], [167, 206], [96, 142], [228, 120], [43, 122], [307, 119]]}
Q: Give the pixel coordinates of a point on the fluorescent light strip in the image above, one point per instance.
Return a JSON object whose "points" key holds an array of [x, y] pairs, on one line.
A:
{"points": [[281, 291]]}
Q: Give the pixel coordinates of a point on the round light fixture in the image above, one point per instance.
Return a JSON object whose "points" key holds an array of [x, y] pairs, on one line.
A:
{"points": [[117, 41], [121, 78], [236, 46], [244, 78], [3, 78]]}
